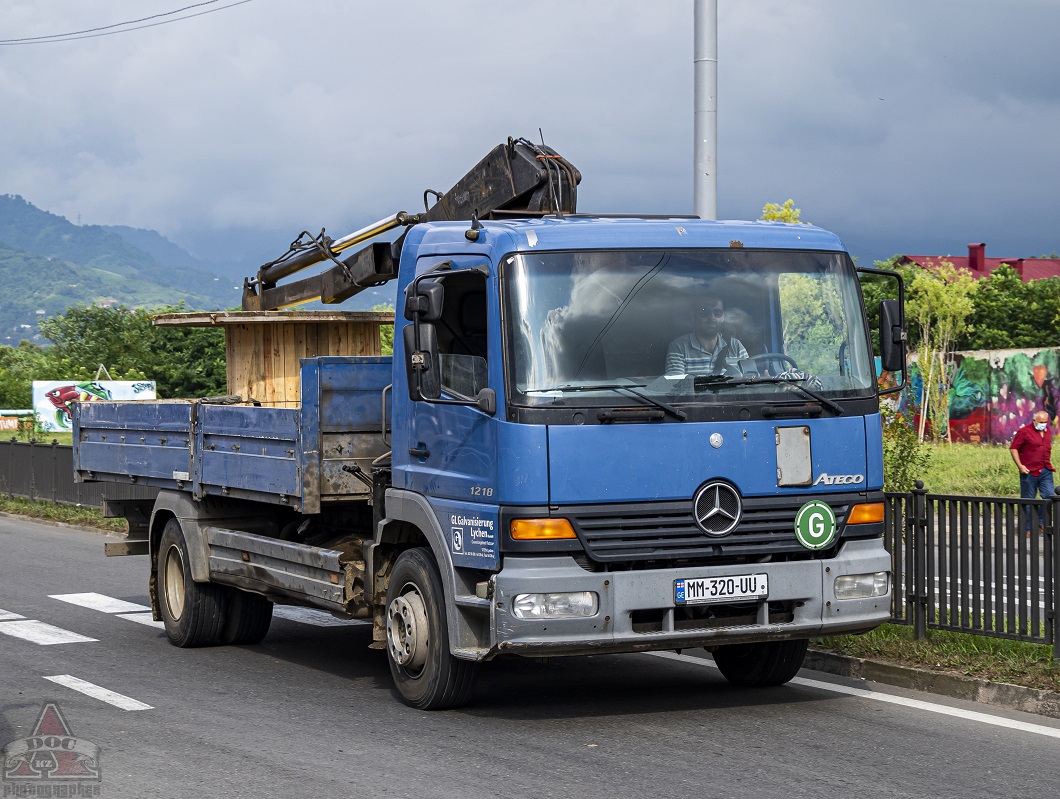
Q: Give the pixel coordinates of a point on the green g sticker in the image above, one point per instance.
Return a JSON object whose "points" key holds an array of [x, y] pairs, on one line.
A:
{"points": [[815, 525]]}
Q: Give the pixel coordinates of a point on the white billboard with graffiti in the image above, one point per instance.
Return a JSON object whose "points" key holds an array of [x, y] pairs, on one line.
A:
{"points": [[53, 399]]}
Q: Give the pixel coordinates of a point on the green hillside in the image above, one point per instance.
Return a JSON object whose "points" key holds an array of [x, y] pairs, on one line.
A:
{"points": [[48, 264]]}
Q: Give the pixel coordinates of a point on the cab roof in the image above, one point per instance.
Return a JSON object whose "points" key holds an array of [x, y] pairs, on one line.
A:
{"points": [[578, 232]]}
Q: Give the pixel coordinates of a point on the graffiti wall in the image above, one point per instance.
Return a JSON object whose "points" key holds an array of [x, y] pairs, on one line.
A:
{"points": [[994, 393]]}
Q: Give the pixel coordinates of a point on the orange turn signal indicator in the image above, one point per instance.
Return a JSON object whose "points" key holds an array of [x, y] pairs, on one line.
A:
{"points": [[541, 529], [867, 513]]}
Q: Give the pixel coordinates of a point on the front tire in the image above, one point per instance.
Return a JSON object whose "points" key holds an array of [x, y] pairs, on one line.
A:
{"points": [[761, 664], [426, 675], [193, 613]]}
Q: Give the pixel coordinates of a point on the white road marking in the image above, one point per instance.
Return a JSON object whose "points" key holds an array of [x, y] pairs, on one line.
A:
{"points": [[876, 696], [142, 614], [38, 632], [7, 615], [142, 618], [106, 604], [96, 692], [318, 618]]}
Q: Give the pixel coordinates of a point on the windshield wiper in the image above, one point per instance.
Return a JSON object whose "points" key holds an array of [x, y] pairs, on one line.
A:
{"points": [[717, 381], [629, 387]]}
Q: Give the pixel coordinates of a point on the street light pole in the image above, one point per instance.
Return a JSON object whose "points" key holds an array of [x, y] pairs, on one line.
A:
{"points": [[705, 185]]}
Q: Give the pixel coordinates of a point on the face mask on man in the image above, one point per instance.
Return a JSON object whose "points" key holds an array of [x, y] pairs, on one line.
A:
{"points": [[1040, 426]]}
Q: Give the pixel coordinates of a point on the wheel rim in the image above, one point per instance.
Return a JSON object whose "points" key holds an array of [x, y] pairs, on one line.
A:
{"points": [[174, 582], [406, 630]]}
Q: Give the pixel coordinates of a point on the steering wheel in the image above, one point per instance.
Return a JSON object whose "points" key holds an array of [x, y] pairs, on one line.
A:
{"points": [[769, 359]]}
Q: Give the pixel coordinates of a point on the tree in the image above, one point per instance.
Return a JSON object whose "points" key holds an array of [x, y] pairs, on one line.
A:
{"points": [[386, 332], [940, 301], [184, 361], [18, 365], [1010, 313], [771, 212]]}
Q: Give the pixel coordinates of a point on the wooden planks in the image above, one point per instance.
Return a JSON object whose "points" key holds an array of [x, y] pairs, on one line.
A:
{"points": [[263, 348]]}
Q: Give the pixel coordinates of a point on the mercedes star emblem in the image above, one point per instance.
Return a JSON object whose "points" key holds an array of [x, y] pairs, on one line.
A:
{"points": [[716, 508]]}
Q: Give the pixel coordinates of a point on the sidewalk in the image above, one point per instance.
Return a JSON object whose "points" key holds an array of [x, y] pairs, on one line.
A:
{"points": [[1014, 697]]}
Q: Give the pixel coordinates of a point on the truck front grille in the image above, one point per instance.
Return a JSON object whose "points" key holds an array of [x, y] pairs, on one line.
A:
{"points": [[666, 531]]}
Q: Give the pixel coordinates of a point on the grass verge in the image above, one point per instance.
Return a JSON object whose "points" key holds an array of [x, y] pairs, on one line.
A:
{"points": [[67, 514], [995, 659]]}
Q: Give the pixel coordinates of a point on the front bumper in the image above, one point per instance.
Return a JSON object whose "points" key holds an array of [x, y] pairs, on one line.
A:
{"points": [[637, 611]]}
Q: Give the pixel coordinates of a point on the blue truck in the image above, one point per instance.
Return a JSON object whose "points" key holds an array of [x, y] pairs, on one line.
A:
{"points": [[594, 435]]}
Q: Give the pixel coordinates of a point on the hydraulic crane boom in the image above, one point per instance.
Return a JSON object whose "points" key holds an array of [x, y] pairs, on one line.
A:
{"points": [[518, 178]]}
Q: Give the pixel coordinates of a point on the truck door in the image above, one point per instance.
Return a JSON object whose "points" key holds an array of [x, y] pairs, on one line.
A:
{"points": [[453, 448]]}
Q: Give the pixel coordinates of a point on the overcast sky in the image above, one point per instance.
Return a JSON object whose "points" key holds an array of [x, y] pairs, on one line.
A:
{"points": [[905, 127]]}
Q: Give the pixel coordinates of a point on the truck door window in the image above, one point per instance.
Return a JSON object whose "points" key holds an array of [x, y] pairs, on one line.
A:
{"points": [[462, 336]]}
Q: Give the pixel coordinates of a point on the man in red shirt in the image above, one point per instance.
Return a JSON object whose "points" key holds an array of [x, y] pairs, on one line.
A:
{"points": [[1032, 451]]}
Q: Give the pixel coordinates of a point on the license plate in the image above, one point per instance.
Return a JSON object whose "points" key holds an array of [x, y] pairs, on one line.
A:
{"points": [[704, 590]]}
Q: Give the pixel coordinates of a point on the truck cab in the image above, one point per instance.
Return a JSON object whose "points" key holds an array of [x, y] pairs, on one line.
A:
{"points": [[585, 489]]}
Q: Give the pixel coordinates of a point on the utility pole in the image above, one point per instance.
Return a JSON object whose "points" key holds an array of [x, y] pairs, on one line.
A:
{"points": [[705, 186]]}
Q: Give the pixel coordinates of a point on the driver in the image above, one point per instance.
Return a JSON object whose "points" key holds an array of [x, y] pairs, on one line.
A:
{"points": [[705, 351]]}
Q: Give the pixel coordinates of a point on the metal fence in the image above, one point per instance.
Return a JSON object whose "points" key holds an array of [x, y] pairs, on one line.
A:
{"points": [[980, 565], [45, 472]]}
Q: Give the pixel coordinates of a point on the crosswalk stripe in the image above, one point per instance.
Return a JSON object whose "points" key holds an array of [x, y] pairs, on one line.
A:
{"points": [[317, 618], [38, 632], [106, 604], [7, 615], [142, 618], [142, 614], [98, 692]]}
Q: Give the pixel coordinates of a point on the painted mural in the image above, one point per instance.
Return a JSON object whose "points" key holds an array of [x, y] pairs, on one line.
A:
{"points": [[995, 392]]}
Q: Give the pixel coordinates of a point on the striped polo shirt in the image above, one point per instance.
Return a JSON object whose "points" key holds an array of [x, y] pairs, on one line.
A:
{"points": [[685, 356]]}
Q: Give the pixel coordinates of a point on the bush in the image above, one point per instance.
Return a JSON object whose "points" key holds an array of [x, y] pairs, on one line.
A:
{"points": [[905, 458]]}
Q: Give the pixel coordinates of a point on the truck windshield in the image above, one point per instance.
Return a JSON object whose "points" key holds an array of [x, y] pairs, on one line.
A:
{"points": [[684, 326]]}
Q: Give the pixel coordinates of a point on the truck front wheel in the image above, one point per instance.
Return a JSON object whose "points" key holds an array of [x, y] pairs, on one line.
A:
{"points": [[193, 613], [426, 675], [761, 664]]}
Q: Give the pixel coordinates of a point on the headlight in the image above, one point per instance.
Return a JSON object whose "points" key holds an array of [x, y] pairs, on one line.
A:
{"points": [[555, 606], [862, 586]]}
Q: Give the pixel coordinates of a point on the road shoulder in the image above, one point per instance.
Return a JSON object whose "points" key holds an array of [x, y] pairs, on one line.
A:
{"points": [[958, 686]]}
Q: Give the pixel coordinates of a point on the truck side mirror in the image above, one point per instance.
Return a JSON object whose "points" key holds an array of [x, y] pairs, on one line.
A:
{"points": [[426, 303], [892, 336], [423, 366]]}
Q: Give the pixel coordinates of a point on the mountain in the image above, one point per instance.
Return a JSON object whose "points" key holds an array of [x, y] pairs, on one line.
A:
{"points": [[48, 264]]}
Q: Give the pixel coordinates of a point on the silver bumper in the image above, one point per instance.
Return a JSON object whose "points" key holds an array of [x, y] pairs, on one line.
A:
{"points": [[637, 610]]}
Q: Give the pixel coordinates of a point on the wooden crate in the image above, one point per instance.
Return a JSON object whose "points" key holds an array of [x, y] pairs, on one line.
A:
{"points": [[263, 348]]}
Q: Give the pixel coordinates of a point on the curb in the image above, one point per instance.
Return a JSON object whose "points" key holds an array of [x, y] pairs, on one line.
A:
{"points": [[957, 686]]}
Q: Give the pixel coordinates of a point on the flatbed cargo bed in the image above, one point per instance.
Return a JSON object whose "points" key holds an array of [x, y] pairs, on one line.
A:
{"points": [[297, 457]]}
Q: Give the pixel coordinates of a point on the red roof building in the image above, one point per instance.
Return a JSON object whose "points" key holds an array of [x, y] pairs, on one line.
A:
{"points": [[980, 266]]}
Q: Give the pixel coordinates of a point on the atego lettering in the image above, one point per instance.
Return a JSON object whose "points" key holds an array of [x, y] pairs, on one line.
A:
{"points": [[839, 479]]}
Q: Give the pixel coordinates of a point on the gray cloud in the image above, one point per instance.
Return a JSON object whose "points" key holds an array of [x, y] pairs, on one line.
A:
{"points": [[904, 126]]}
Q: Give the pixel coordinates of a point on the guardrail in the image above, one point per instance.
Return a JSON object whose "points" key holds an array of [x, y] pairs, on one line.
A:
{"points": [[965, 564], [979, 565], [45, 472]]}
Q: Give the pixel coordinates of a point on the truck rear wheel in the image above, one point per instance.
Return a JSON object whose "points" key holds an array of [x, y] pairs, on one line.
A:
{"points": [[426, 675], [761, 664], [193, 613], [247, 618]]}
